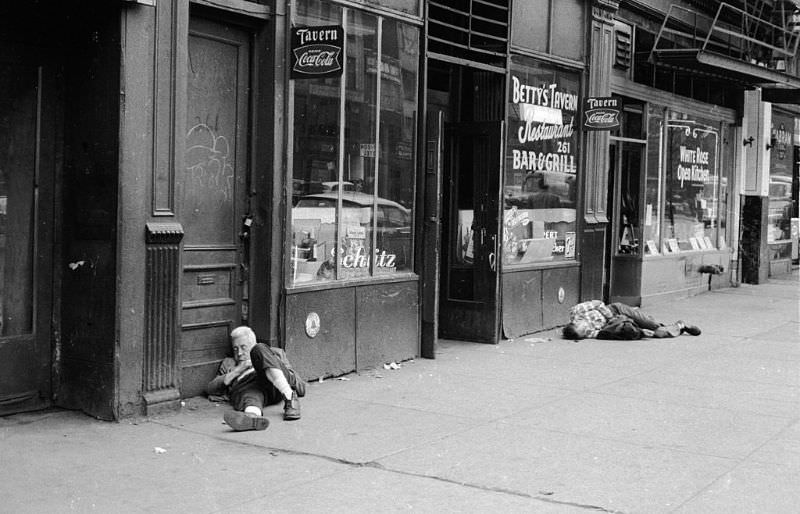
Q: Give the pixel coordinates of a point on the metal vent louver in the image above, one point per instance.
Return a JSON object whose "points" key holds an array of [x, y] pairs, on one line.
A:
{"points": [[475, 30]]}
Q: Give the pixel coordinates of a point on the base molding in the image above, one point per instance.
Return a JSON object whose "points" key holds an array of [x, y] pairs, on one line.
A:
{"points": [[161, 401]]}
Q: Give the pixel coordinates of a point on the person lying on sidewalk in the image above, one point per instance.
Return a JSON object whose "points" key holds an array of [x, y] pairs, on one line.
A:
{"points": [[256, 376], [594, 319]]}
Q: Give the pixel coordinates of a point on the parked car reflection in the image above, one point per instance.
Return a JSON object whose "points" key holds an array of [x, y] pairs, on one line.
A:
{"points": [[393, 219]]}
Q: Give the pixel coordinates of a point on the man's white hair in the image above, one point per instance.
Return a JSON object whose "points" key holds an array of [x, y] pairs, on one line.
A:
{"points": [[243, 331]]}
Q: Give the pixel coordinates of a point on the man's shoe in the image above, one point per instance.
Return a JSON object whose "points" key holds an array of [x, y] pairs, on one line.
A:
{"points": [[291, 408], [241, 421], [692, 330]]}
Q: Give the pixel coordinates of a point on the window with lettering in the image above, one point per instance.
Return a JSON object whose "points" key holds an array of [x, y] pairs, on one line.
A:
{"points": [[691, 214], [541, 164], [353, 151]]}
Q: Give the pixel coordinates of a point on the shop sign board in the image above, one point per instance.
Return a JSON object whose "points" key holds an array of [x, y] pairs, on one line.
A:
{"points": [[541, 163], [693, 154], [543, 118], [317, 51], [601, 112]]}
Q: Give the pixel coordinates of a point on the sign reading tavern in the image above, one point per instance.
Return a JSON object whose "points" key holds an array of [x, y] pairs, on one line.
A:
{"points": [[317, 51], [601, 113]]}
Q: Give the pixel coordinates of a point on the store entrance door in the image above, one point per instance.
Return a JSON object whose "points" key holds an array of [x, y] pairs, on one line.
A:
{"points": [[623, 262], [469, 292], [214, 209], [27, 168]]}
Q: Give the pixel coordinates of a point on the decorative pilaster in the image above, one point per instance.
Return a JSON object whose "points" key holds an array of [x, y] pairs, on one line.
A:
{"points": [[596, 147], [601, 60], [160, 380]]}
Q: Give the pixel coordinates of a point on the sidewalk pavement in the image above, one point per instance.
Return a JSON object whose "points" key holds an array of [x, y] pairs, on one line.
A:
{"points": [[707, 424]]}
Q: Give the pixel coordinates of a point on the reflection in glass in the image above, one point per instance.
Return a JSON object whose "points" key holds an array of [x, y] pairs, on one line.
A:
{"points": [[360, 151], [315, 161], [405, 6], [628, 208], [353, 180], [653, 187], [781, 205], [399, 64], [541, 164], [691, 211]]}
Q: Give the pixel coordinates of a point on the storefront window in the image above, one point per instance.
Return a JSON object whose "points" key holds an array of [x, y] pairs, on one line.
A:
{"points": [[630, 172], [353, 152], [691, 182], [725, 179], [781, 161], [541, 164], [653, 183], [405, 6], [398, 119]]}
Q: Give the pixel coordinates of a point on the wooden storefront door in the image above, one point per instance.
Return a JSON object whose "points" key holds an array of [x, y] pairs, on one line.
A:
{"points": [[469, 293], [27, 168], [213, 198]]}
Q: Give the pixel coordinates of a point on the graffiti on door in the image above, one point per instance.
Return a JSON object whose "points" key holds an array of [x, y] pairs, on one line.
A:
{"points": [[209, 165]]}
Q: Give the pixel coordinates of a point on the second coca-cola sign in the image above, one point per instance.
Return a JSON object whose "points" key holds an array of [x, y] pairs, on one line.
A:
{"points": [[601, 113], [317, 51]]}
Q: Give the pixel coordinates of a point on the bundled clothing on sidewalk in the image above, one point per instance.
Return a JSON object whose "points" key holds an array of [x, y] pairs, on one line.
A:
{"points": [[595, 319]]}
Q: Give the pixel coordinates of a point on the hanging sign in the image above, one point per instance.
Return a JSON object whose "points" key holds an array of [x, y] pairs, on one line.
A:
{"points": [[601, 113], [317, 51]]}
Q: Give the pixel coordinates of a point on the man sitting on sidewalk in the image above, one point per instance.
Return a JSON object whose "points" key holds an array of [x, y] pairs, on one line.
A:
{"points": [[256, 376], [594, 319]]}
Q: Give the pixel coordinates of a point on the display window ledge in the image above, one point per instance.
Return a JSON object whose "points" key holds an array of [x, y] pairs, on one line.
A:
{"points": [[541, 265], [353, 282], [684, 253]]}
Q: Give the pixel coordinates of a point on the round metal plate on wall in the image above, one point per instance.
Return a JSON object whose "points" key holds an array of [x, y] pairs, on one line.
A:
{"points": [[561, 295], [312, 324]]}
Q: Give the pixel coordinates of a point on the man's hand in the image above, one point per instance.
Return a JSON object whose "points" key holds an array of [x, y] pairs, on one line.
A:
{"points": [[242, 369]]}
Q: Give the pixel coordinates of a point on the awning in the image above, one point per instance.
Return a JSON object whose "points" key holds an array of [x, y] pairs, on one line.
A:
{"points": [[727, 68]]}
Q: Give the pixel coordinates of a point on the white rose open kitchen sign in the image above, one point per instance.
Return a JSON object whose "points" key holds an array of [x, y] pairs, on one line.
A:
{"points": [[317, 51], [601, 113]]}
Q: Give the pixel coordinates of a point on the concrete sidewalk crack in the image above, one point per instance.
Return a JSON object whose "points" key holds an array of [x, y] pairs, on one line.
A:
{"points": [[492, 489], [376, 465]]}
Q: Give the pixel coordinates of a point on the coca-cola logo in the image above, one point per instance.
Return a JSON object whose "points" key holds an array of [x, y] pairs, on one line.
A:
{"points": [[602, 117], [601, 113], [317, 51], [317, 59]]}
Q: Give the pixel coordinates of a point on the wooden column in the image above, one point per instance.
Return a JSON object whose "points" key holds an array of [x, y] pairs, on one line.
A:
{"points": [[162, 274], [595, 185]]}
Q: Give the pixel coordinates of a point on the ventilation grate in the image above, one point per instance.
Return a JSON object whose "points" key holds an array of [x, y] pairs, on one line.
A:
{"points": [[623, 45], [475, 30]]}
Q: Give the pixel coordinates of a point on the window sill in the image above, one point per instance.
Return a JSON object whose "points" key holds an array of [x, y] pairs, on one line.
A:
{"points": [[406, 276], [685, 253], [572, 263]]}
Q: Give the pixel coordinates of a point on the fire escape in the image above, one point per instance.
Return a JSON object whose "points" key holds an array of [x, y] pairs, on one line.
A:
{"points": [[751, 42]]}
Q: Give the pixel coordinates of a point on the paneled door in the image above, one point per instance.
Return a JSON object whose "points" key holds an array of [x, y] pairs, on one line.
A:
{"points": [[469, 293], [27, 168], [213, 198]]}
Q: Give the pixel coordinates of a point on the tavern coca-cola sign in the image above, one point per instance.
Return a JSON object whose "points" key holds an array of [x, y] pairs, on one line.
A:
{"points": [[317, 51], [601, 113]]}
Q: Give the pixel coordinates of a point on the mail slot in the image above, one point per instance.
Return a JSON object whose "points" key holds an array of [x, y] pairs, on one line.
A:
{"points": [[206, 280]]}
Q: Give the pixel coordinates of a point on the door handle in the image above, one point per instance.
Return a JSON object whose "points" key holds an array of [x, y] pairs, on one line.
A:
{"points": [[493, 254], [247, 222]]}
